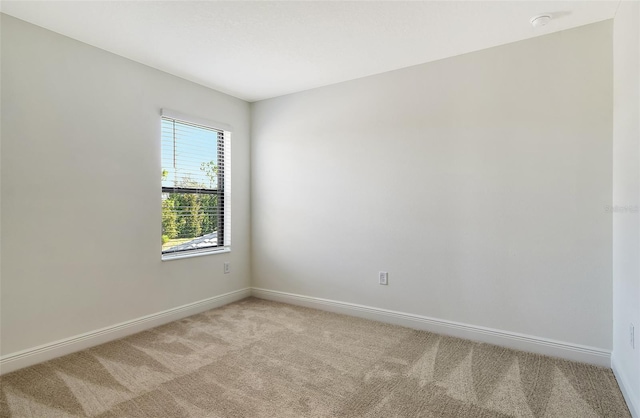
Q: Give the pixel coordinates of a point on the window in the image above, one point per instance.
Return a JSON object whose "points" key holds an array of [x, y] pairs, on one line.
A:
{"points": [[195, 186]]}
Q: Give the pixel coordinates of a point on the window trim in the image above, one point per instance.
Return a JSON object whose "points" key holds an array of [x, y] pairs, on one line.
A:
{"points": [[194, 253], [224, 182], [207, 123]]}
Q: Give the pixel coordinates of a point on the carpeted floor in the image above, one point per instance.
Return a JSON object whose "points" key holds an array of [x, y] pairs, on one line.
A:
{"points": [[257, 358]]}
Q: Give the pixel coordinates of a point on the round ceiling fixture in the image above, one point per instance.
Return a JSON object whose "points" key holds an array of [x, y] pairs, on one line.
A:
{"points": [[540, 21]]}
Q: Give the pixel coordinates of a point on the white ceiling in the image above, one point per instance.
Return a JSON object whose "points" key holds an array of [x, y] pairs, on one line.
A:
{"points": [[263, 49]]}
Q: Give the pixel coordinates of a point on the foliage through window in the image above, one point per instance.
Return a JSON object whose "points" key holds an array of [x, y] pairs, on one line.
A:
{"points": [[195, 180]]}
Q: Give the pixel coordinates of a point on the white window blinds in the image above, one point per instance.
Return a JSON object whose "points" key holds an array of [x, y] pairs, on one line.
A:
{"points": [[195, 187]]}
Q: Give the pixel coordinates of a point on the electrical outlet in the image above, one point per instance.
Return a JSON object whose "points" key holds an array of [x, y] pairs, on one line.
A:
{"points": [[632, 336], [227, 267], [383, 278]]}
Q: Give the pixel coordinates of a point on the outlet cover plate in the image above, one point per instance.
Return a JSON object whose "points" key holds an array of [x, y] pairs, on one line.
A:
{"points": [[383, 278]]}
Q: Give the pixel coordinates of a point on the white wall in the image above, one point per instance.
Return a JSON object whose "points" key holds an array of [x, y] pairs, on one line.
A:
{"points": [[479, 182], [626, 192], [0, 175], [81, 189]]}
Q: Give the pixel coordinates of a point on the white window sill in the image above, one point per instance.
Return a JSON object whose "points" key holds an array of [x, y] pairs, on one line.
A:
{"points": [[169, 257]]}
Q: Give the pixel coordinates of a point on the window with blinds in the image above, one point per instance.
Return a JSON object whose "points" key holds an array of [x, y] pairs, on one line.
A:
{"points": [[195, 187]]}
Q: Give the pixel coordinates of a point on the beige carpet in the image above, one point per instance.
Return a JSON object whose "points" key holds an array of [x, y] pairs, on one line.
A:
{"points": [[256, 358]]}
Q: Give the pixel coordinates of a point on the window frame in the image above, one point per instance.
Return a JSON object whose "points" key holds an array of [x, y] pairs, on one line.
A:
{"points": [[223, 147]]}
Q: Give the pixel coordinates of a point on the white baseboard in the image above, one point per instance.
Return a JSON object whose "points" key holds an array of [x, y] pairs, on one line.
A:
{"points": [[632, 398], [513, 340], [31, 356], [28, 357]]}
